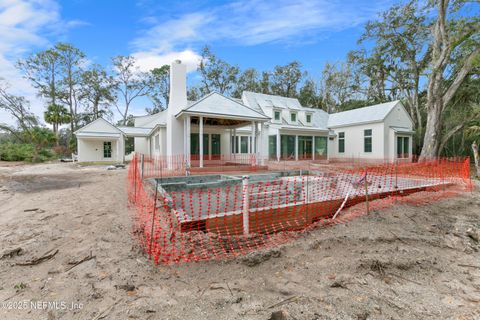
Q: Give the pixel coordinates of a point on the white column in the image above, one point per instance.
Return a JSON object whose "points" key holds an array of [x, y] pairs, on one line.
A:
{"points": [[185, 138], [230, 142], [235, 142], [189, 130], [252, 144], [200, 137], [260, 145], [278, 145], [296, 147], [313, 147], [118, 149]]}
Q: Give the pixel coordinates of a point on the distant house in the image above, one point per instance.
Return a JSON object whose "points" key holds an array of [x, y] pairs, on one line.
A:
{"points": [[271, 127]]}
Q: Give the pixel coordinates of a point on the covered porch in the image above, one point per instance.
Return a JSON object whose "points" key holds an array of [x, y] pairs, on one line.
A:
{"points": [[219, 131]]}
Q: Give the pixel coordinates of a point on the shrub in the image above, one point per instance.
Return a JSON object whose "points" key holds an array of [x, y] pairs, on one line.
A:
{"points": [[17, 152]]}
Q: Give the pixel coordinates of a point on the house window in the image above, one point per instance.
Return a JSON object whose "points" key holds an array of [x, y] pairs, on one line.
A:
{"points": [[320, 147], [293, 117], [272, 147], [341, 142], [287, 146], [107, 149], [309, 118], [243, 144], [403, 147], [367, 140], [276, 115]]}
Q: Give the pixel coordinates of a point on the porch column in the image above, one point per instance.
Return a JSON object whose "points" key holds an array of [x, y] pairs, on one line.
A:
{"points": [[230, 142], [260, 144], [188, 154], [296, 147], [252, 144], [278, 145], [118, 149], [234, 142], [200, 138], [185, 139], [313, 147]]}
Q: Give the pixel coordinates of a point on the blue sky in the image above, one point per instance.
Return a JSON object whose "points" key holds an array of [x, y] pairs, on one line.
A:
{"points": [[253, 33]]}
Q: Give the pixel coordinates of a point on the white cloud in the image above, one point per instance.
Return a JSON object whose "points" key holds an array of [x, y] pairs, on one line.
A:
{"points": [[251, 22], [26, 25], [148, 60]]}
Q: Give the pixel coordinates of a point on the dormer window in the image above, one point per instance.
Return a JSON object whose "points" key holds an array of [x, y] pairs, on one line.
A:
{"points": [[276, 115], [308, 118], [293, 116]]}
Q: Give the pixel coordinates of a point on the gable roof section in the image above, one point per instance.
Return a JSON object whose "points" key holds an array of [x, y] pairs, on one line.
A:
{"points": [[375, 113], [216, 104], [99, 127], [150, 121]]}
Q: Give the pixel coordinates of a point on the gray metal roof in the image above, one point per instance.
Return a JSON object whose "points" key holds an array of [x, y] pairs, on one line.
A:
{"points": [[217, 104], [369, 114], [135, 131], [262, 100]]}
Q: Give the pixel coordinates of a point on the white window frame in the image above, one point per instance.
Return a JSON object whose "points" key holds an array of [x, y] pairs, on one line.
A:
{"points": [[306, 118], [111, 149], [343, 139], [280, 115], [296, 116], [370, 136], [408, 147]]}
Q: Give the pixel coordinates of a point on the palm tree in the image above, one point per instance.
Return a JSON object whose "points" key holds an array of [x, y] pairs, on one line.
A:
{"points": [[57, 115]]}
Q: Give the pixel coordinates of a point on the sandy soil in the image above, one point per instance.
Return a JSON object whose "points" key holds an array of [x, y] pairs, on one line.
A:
{"points": [[405, 262]]}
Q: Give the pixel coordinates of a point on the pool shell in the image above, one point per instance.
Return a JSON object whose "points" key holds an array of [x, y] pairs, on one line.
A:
{"points": [[278, 201]]}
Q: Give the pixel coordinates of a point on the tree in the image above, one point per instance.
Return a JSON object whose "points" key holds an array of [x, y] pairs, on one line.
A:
{"points": [[217, 75], [18, 108], [57, 115], [309, 95], [71, 61], [285, 79], [97, 89], [41, 138], [160, 89], [338, 85], [42, 70], [455, 53], [247, 81], [399, 58], [129, 82]]}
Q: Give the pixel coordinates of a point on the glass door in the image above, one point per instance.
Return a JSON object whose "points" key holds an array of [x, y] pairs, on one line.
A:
{"points": [[216, 148]]}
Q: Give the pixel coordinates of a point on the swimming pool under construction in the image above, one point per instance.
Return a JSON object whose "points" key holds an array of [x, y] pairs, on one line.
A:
{"points": [[263, 203]]}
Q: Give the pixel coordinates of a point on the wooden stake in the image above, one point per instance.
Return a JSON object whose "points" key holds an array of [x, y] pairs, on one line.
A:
{"points": [[366, 191]]}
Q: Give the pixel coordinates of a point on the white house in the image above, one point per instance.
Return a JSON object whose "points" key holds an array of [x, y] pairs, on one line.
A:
{"points": [[271, 127]]}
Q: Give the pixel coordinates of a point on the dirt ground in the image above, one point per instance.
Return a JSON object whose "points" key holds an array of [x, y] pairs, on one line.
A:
{"points": [[405, 262]]}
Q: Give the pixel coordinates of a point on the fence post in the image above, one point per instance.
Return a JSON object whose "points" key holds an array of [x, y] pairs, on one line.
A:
{"points": [[135, 164], [142, 165], [246, 205], [153, 215], [366, 191]]}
